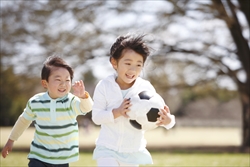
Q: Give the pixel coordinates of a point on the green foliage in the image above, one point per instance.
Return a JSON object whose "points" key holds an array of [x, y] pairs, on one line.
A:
{"points": [[89, 78], [15, 91], [201, 91], [204, 91]]}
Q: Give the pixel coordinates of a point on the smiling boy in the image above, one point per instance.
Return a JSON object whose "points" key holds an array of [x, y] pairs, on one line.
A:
{"points": [[54, 112]]}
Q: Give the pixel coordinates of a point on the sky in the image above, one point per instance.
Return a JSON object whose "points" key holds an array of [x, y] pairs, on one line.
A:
{"points": [[174, 33]]}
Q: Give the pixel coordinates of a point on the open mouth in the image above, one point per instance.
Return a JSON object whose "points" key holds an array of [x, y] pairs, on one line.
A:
{"points": [[61, 90], [130, 76]]}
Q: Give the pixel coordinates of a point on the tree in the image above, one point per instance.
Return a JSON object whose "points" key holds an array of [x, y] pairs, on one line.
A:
{"points": [[237, 49], [15, 91], [205, 36], [242, 51]]}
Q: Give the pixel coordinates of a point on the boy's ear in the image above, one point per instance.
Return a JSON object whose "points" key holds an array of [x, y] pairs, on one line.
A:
{"points": [[114, 63], [44, 83]]}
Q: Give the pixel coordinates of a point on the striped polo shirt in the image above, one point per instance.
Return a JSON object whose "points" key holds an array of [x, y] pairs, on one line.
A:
{"points": [[56, 129]]}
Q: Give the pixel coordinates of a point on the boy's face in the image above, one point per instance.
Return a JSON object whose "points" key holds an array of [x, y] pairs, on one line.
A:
{"points": [[128, 68], [59, 82]]}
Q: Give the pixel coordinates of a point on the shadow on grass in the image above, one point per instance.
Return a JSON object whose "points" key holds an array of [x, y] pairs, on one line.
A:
{"points": [[181, 149]]}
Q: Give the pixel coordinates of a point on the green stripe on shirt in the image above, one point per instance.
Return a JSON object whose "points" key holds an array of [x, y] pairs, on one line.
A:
{"points": [[57, 127], [56, 158], [54, 150], [56, 135]]}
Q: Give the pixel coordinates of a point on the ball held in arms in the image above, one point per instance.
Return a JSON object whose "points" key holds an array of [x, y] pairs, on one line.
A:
{"points": [[144, 110]]}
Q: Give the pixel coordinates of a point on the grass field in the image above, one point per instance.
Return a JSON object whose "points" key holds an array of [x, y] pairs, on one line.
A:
{"points": [[161, 159], [176, 137], [181, 138]]}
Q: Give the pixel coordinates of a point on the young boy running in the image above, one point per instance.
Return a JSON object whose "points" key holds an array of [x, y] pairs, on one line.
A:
{"points": [[54, 112]]}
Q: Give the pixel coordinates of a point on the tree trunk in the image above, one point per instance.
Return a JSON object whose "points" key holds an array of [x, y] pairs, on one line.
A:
{"points": [[243, 52], [245, 6], [245, 122]]}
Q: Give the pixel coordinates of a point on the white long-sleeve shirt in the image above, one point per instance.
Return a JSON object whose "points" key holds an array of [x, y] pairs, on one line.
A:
{"points": [[118, 134]]}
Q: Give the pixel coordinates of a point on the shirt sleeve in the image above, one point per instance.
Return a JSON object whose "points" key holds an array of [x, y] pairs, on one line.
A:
{"points": [[100, 113], [20, 126], [171, 124], [28, 114], [81, 106], [86, 104]]}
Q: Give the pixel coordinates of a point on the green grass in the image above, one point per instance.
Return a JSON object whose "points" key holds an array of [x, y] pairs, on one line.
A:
{"points": [[160, 159]]}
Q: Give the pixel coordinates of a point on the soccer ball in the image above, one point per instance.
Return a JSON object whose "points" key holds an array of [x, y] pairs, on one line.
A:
{"points": [[144, 111]]}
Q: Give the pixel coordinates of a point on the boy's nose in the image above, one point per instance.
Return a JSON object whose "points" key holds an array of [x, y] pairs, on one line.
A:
{"points": [[63, 83], [132, 68]]}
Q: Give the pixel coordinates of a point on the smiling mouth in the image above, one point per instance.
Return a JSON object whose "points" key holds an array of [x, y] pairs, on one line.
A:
{"points": [[130, 76], [62, 90]]}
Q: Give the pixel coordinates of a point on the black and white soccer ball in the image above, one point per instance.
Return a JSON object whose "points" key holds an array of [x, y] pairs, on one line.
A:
{"points": [[144, 111]]}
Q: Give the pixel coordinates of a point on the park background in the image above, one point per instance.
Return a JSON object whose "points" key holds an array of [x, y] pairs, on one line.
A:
{"points": [[199, 64]]}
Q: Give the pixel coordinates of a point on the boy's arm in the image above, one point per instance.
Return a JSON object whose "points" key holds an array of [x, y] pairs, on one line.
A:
{"points": [[7, 148], [166, 119], [86, 103], [172, 122], [20, 126], [18, 129]]}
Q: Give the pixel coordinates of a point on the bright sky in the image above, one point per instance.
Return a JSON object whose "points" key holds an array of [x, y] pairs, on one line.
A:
{"points": [[175, 32]]}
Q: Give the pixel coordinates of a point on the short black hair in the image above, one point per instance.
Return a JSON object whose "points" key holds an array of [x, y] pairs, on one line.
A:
{"points": [[54, 61], [130, 41]]}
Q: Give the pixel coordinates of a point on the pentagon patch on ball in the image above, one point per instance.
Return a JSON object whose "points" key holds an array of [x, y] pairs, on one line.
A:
{"points": [[144, 110]]}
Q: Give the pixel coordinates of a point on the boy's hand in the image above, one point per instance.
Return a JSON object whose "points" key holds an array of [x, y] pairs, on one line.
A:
{"points": [[164, 118], [7, 148], [79, 89], [123, 109]]}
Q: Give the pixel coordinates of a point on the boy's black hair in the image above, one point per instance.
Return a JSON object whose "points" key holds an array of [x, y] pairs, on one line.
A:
{"points": [[133, 42], [54, 61]]}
